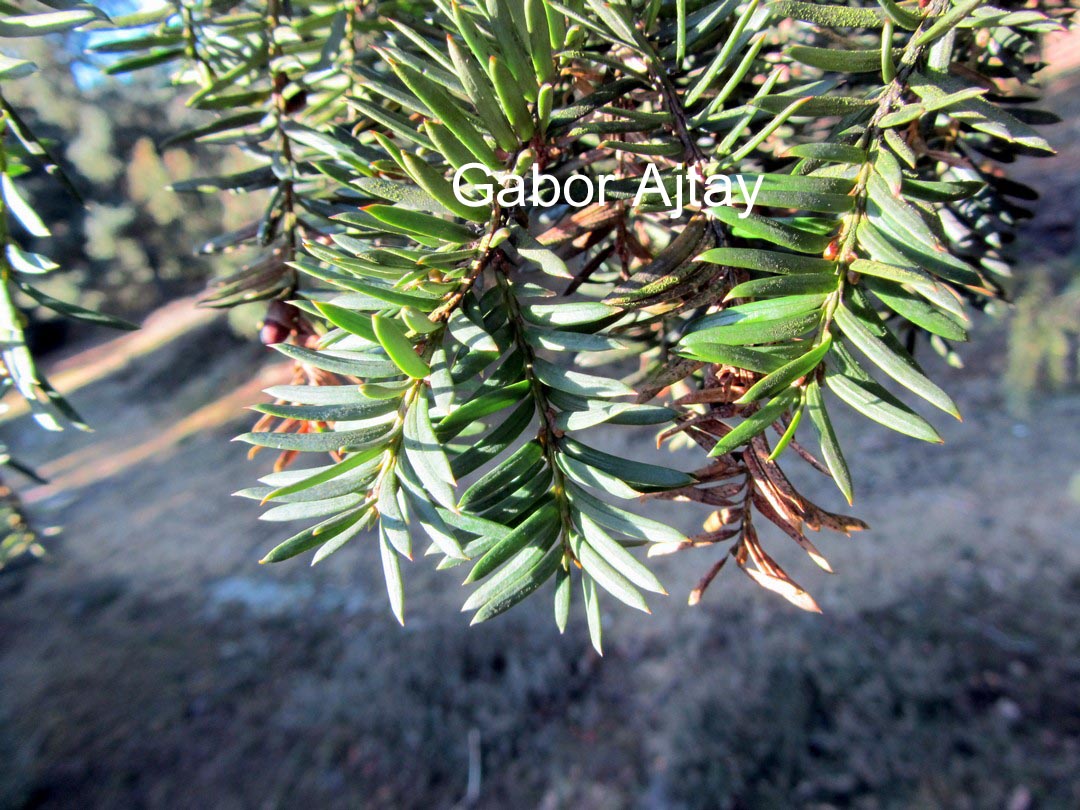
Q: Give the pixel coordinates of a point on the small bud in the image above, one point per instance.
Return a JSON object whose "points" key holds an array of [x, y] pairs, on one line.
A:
{"points": [[273, 332]]}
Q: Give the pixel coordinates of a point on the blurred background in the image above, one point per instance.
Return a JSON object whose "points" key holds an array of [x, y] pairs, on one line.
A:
{"points": [[146, 660]]}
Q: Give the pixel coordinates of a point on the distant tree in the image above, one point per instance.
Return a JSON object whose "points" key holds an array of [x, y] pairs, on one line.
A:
{"points": [[451, 351]]}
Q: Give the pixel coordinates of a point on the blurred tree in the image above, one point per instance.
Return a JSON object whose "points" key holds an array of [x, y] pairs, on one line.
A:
{"points": [[133, 244]]}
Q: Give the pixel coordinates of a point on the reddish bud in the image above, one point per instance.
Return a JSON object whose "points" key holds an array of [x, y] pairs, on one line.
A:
{"points": [[273, 332]]}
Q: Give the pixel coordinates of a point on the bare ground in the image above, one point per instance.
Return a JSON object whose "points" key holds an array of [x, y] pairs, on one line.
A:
{"points": [[150, 662]]}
